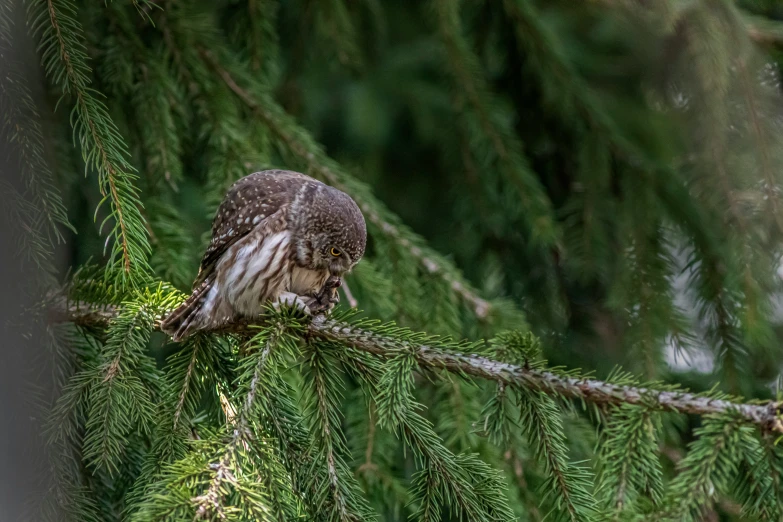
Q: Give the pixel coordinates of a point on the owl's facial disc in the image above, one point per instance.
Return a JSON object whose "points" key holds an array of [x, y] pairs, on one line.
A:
{"points": [[339, 260], [329, 230], [332, 257], [322, 254]]}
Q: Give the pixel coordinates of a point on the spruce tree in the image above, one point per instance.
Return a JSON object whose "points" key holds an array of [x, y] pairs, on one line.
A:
{"points": [[569, 205]]}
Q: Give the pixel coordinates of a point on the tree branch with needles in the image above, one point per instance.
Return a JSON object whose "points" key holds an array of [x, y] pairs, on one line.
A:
{"points": [[767, 416]]}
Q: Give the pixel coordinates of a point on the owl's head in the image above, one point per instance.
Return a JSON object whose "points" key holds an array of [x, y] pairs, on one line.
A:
{"points": [[328, 229]]}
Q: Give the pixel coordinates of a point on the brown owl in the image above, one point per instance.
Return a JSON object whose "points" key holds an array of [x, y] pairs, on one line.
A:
{"points": [[278, 236]]}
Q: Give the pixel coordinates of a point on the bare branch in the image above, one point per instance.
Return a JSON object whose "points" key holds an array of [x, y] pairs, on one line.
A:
{"points": [[767, 416]]}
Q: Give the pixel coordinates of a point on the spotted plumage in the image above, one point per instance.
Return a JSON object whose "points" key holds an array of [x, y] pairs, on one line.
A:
{"points": [[277, 236]]}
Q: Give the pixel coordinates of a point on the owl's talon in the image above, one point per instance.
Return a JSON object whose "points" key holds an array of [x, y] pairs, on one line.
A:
{"points": [[317, 306], [325, 300], [292, 300]]}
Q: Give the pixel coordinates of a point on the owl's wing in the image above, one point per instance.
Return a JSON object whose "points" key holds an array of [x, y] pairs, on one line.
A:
{"points": [[257, 200]]}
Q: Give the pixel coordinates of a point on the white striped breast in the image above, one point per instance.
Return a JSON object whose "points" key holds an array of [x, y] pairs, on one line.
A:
{"points": [[257, 272], [254, 271]]}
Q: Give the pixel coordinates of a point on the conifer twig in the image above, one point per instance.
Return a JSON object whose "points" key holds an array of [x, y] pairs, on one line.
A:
{"points": [[760, 29], [352, 302], [766, 416], [210, 503], [480, 105], [65, 58]]}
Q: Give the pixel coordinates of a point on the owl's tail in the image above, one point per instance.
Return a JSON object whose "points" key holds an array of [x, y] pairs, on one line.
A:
{"points": [[187, 318]]}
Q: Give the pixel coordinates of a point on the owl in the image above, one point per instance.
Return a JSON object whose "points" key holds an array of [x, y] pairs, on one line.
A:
{"points": [[279, 237]]}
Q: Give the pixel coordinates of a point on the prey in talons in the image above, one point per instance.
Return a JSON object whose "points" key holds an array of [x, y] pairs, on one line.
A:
{"points": [[317, 304]]}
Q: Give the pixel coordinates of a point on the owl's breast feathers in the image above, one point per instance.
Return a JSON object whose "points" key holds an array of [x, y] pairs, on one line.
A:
{"points": [[307, 282], [256, 270]]}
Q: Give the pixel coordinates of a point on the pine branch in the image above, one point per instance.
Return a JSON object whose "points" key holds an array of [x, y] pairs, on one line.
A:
{"points": [[228, 474], [153, 90], [489, 128], [256, 28], [629, 463], [759, 487], [193, 370], [211, 502], [22, 127], [708, 469], [734, 306], [765, 415], [124, 381], [375, 458], [66, 62], [39, 211], [334, 25], [473, 487], [338, 496], [569, 484], [570, 95], [566, 91], [231, 143], [32, 242]]}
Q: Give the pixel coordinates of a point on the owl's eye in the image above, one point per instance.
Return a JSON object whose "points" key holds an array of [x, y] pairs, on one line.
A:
{"points": [[334, 252]]}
